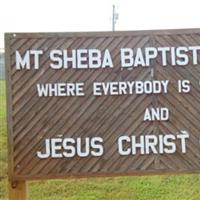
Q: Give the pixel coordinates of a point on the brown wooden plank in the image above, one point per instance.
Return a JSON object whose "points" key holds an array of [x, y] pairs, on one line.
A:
{"points": [[33, 119]]}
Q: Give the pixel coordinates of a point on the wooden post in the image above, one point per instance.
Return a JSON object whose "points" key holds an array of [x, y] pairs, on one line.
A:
{"points": [[18, 190]]}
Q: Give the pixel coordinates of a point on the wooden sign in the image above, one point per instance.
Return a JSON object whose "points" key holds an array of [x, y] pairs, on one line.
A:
{"points": [[103, 104]]}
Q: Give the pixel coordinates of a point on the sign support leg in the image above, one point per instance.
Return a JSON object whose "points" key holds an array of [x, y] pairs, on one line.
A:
{"points": [[18, 190]]}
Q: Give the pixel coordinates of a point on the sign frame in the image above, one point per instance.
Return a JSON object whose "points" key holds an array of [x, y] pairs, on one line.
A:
{"points": [[9, 36]]}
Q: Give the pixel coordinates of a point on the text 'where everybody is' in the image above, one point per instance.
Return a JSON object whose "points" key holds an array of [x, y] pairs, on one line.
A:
{"points": [[112, 88]]}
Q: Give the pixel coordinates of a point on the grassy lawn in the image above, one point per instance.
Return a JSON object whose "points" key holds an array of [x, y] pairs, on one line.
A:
{"points": [[185, 187], [3, 143]]}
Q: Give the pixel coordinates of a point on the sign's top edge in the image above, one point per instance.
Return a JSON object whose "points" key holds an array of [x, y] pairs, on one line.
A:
{"points": [[101, 33]]}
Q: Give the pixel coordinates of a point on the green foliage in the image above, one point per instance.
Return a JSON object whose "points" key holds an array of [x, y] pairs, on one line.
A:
{"points": [[185, 187], [120, 188], [3, 137], [3, 143]]}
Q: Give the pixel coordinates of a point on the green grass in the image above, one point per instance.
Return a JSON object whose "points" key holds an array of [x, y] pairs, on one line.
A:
{"points": [[3, 138], [121, 188], [185, 187], [3, 143]]}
